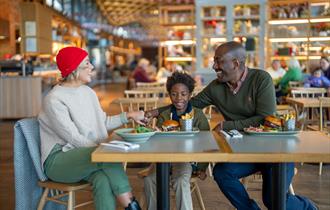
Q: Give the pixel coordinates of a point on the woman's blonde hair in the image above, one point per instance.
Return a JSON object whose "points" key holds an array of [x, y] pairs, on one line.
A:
{"points": [[73, 76]]}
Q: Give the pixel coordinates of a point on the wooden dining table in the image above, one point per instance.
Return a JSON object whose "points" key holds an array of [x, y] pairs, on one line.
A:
{"points": [[207, 146], [306, 102], [302, 104]]}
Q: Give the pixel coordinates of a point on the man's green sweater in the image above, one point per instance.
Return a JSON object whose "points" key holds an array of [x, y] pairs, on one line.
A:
{"points": [[252, 103]]}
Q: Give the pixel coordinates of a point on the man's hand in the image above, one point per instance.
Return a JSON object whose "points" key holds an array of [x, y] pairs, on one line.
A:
{"points": [[219, 127]]}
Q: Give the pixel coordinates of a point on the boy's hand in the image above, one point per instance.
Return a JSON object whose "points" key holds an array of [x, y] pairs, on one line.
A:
{"points": [[149, 115]]}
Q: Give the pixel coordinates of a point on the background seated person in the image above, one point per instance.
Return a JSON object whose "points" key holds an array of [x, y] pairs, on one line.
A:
{"points": [[180, 87], [325, 66], [276, 71], [165, 72], [140, 73], [294, 73], [317, 80]]}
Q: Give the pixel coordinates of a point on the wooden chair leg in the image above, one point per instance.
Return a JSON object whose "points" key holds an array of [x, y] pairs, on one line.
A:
{"points": [[199, 196], [291, 191], [71, 200], [210, 168], [320, 168], [245, 182], [42, 201]]}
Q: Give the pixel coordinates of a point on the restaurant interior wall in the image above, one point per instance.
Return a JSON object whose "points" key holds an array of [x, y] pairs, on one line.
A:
{"points": [[10, 19], [179, 45], [219, 21], [300, 28]]}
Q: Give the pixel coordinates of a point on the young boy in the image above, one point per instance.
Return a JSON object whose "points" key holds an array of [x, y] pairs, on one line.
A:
{"points": [[180, 87]]}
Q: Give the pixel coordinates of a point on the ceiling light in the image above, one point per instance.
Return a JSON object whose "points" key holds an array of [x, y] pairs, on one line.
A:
{"points": [[295, 21], [318, 20], [302, 39]]}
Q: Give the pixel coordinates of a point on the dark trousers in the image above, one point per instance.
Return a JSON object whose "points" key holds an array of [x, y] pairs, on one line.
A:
{"points": [[227, 176]]}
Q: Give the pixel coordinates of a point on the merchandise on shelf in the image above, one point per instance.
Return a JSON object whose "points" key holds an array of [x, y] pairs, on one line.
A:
{"points": [[299, 29]]}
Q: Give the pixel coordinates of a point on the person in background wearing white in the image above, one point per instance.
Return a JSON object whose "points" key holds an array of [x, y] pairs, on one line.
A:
{"points": [[165, 72], [276, 71], [72, 125]]}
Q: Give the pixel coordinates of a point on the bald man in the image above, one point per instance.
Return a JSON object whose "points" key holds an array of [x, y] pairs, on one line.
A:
{"points": [[245, 97]]}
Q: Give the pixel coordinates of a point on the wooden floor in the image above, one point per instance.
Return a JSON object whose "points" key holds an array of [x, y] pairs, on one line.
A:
{"points": [[306, 183]]}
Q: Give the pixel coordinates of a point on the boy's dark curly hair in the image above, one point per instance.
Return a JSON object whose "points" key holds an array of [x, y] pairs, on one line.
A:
{"points": [[180, 77]]}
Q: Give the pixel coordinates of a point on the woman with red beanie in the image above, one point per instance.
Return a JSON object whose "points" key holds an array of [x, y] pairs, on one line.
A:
{"points": [[72, 124]]}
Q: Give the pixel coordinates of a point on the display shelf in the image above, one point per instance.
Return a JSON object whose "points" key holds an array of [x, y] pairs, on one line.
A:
{"points": [[230, 20], [300, 29], [177, 15], [179, 45]]}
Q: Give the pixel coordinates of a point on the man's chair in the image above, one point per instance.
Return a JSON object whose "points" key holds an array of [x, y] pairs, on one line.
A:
{"points": [[32, 189], [258, 176]]}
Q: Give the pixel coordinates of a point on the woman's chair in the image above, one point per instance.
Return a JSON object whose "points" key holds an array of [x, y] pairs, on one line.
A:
{"points": [[32, 189]]}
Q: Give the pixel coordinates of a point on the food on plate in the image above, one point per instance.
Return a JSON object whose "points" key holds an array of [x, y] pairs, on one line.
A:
{"points": [[141, 129], [188, 116], [272, 123], [254, 129], [170, 125]]}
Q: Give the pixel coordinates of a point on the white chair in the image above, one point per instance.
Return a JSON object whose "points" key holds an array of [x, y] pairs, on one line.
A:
{"points": [[324, 103], [137, 104], [150, 84], [146, 93], [307, 93]]}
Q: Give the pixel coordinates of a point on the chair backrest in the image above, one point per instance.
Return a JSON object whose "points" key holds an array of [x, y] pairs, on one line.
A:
{"points": [[137, 104], [146, 93], [294, 84], [308, 92], [27, 134], [324, 102], [150, 84], [27, 166]]}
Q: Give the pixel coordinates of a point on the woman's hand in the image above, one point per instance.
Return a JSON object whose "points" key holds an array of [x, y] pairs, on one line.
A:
{"points": [[137, 116]]}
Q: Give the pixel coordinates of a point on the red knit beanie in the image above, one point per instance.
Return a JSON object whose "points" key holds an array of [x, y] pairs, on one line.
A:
{"points": [[69, 58]]}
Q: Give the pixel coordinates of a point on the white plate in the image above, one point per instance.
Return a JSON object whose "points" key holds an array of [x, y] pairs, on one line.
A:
{"points": [[178, 133]]}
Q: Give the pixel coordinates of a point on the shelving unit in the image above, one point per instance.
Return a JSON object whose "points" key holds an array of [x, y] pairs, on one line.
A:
{"points": [[65, 33], [221, 21], [299, 28], [179, 45]]}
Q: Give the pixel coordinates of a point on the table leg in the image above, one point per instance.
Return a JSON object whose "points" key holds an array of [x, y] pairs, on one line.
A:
{"points": [[163, 191], [278, 186]]}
